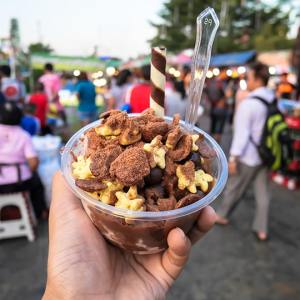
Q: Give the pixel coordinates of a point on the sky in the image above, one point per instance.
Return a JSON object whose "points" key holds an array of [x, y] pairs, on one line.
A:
{"points": [[73, 27]]}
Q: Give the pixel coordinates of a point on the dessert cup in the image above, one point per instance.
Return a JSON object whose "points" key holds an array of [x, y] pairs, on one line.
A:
{"points": [[142, 232]]}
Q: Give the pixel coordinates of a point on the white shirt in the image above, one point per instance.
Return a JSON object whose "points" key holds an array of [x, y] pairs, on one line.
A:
{"points": [[249, 122]]}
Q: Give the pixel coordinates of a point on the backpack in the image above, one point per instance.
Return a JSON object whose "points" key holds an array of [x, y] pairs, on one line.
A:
{"points": [[272, 147]]}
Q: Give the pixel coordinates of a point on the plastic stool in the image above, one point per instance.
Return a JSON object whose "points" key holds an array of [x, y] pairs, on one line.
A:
{"points": [[20, 227]]}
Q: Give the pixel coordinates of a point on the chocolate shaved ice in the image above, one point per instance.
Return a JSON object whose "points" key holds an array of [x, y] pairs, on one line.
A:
{"points": [[145, 153]]}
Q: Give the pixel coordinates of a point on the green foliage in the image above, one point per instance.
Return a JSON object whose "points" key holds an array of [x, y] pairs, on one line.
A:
{"points": [[245, 24], [39, 48]]}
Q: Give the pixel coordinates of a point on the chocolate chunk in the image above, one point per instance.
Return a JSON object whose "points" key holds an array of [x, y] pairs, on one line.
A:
{"points": [[170, 166], [170, 183], [152, 129], [188, 171], [101, 161], [182, 149], [205, 150], [109, 113], [195, 157], [176, 120], [131, 166], [147, 116], [117, 120], [151, 160], [90, 185], [92, 141], [154, 177], [179, 194], [153, 194], [131, 133], [173, 137], [166, 203], [189, 199]]}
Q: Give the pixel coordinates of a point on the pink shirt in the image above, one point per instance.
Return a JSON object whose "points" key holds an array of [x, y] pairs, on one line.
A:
{"points": [[15, 147], [52, 85]]}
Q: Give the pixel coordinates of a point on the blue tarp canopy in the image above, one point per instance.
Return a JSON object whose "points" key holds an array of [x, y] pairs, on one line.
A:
{"points": [[232, 59]]}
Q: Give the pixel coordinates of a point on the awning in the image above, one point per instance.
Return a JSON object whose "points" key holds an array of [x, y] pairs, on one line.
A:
{"points": [[232, 59], [67, 63]]}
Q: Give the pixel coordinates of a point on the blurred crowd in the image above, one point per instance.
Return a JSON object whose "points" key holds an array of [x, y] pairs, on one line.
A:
{"points": [[225, 100]]}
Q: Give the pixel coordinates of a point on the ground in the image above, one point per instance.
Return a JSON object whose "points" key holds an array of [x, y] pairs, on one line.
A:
{"points": [[228, 264]]}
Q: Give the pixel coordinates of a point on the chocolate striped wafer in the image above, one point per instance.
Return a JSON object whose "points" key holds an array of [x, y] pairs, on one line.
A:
{"points": [[158, 80]]}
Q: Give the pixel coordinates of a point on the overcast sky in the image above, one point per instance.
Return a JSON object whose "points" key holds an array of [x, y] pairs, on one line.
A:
{"points": [[74, 27]]}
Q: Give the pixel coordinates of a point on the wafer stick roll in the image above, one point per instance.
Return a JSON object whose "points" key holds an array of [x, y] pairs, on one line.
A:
{"points": [[158, 80]]}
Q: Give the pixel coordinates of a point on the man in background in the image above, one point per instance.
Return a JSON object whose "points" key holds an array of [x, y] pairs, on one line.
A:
{"points": [[245, 165]]}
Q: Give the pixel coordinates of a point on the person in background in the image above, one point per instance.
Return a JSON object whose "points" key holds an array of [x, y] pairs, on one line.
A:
{"points": [[284, 89], [18, 159], [216, 97], [51, 82], [67, 82], [11, 87], [185, 76], [39, 99], [245, 165], [175, 99], [139, 95], [52, 86], [119, 90], [30, 122], [86, 94], [22, 85]]}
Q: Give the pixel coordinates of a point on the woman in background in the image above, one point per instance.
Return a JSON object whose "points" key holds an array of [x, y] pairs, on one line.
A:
{"points": [[18, 159]]}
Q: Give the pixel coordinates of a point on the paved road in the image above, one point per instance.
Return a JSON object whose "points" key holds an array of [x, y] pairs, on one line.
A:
{"points": [[228, 264]]}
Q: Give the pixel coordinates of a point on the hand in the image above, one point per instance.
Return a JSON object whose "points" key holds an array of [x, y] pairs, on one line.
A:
{"points": [[83, 265], [232, 167]]}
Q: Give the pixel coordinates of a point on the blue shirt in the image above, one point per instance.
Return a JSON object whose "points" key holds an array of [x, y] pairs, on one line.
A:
{"points": [[30, 124], [87, 96]]}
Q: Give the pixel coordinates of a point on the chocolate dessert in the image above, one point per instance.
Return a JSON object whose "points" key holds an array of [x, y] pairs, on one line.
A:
{"points": [[143, 163]]}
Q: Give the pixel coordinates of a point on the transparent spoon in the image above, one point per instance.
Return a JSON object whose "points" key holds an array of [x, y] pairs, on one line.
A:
{"points": [[207, 25]]}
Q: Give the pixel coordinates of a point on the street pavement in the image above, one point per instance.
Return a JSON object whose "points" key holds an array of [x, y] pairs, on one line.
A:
{"points": [[227, 264]]}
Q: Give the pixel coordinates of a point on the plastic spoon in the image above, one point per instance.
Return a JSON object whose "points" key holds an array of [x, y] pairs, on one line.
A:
{"points": [[207, 25]]}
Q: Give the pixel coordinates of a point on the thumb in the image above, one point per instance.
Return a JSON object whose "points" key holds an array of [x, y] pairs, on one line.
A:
{"points": [[176, 256]]}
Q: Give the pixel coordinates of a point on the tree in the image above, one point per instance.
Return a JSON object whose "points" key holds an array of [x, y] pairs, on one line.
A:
{"points": [[244, 24], [39, 48]]}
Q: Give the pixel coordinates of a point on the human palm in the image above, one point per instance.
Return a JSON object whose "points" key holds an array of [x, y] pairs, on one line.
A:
{"points": [[82, 265]]}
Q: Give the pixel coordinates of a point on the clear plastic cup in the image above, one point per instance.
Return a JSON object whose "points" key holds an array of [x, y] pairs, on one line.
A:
{"points": [[142, 232]]}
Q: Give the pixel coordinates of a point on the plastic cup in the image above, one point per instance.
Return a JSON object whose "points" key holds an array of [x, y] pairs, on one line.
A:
{"points": [[142, 232]]}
